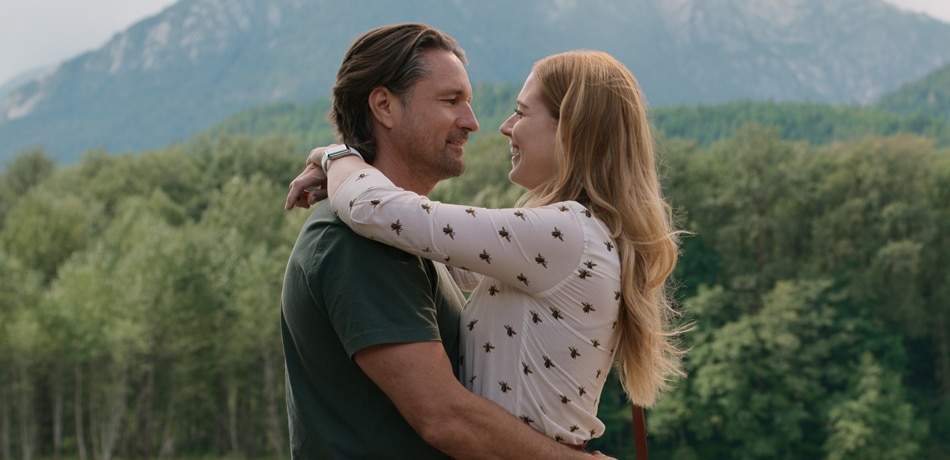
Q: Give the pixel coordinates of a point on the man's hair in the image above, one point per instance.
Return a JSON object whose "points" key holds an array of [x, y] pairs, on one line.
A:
{"points": [[389, 56]]}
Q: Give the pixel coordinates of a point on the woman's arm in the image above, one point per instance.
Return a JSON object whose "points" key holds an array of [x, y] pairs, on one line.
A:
{"points": [[531, 248]]}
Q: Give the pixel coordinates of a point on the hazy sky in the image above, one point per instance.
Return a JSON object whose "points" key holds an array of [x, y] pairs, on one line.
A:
{"points": [[39, 33]]}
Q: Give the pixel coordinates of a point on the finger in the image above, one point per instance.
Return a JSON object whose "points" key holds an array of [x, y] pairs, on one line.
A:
{"points": [[317, 195], [297, 196], [292, 200]]}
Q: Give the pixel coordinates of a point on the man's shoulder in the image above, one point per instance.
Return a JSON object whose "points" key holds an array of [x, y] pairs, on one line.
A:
{"points": [[328, 236]]}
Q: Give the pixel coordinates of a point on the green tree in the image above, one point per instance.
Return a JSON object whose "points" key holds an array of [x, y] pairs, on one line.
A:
{"points": [[20, 174], [21, 341], [876, 422], [44, 229]]}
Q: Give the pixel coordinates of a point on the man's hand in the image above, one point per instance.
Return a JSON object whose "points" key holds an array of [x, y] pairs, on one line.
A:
{"points": [[310, 186]]}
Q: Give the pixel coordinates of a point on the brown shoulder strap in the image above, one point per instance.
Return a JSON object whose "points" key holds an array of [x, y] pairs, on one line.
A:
{"points": [[640, 432]]}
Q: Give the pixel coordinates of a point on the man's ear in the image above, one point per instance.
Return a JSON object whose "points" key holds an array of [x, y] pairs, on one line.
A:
{"points": [[383, 103]]}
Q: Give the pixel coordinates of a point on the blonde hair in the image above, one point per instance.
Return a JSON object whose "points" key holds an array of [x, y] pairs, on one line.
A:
{"points": [[605, 161]]}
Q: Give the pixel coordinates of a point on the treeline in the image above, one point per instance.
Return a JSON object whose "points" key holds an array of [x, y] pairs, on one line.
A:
{"points": [[139, 302], [139, 298]]}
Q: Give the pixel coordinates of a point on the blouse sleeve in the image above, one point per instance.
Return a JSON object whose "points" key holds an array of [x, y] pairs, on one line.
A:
{"points": [[530, 248]]}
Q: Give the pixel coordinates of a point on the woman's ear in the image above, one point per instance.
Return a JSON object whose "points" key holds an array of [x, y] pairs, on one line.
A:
{"points": [[383, 103]]}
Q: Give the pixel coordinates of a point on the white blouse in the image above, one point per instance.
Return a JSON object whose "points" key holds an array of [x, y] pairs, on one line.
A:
{"points": [[539, 329]]}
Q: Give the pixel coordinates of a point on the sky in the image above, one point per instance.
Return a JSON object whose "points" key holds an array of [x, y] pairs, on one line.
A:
{"points": [[42, 33]]}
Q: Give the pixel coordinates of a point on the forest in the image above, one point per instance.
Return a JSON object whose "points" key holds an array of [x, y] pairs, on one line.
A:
{"points": [[139, 292]]}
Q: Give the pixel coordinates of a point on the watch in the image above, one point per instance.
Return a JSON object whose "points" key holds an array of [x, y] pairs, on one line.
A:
{"points": [[338, 152]]}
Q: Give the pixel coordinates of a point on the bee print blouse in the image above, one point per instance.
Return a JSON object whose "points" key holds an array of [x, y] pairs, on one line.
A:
{"points": [[540, 326]]}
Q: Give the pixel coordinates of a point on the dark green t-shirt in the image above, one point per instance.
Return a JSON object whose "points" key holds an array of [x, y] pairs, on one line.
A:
{"points": [[343, 293]]}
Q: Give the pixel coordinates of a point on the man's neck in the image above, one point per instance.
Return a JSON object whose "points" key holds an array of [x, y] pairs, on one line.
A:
{"points": [[400, 171]]}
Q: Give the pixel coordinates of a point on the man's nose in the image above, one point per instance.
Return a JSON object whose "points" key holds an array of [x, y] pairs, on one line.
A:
{"points": [[468, 120]]}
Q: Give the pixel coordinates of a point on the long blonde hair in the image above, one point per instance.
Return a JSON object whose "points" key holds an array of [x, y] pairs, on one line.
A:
{"points": [[605, 161]]}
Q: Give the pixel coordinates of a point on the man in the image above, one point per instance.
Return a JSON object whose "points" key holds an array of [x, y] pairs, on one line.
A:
{"points": [[371, 333]]}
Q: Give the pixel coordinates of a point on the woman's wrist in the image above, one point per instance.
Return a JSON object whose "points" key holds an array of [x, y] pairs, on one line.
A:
{"points": [[337, 151]]}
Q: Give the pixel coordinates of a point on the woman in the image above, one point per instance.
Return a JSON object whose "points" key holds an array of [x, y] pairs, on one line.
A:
{"points": [[572, 279]]}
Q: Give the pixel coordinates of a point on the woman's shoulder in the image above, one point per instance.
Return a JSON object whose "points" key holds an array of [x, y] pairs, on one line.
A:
{"points": [[584, 216]]}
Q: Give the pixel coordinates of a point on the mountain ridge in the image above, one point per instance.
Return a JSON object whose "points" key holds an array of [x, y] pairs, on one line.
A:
{"points": [[198, 61]]}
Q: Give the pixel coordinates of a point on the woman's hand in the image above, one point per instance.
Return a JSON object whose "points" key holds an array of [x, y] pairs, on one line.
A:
{"points": [[310, 185]]}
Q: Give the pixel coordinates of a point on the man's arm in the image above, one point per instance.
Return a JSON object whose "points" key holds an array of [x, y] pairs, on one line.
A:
{"points": [[418, 378]]}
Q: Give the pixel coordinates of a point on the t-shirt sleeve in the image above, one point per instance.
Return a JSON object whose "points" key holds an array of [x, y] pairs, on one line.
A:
{"points": [[532, 249], [376, 294]]}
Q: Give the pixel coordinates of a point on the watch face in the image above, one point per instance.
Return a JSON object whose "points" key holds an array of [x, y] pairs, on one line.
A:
{"points": [[339, 151]]}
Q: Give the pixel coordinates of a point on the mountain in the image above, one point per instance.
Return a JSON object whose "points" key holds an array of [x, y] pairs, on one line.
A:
{"points": [[19, 80], [928, 96], [176, 73]]}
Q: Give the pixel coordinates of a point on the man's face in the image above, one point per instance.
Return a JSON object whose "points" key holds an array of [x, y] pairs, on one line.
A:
{"points": [[436, 118]]}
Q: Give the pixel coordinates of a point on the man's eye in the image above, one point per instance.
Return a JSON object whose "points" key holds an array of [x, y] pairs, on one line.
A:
{"points": [[519, 113]]}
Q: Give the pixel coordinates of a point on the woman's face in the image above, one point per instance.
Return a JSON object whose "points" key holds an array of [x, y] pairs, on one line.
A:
{"points": [[531, 131]]}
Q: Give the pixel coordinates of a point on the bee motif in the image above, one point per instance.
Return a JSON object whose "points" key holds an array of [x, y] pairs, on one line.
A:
{"points": [[598, 373], [556, 313], [352, 202], [564, 209], [558, 438], [510, 331], [593, 433], [584, 274], [448, 258], [504, 387], [548, 363], [362, 176], [471, 324], [588, 307], [581, 391], [523, 279], [448, 231], [564, 399], [616, 295], [504, 234], [524, 368], [470, 211], [520, 214], [461, 360], [574, 353], [527, 420], [557, 234], [587, 213], [427, 208], [485, 256], [396, 227], [574, 428], [595, 342], [488, 347], [610, 246], [375, 202], [472, 380], [535, 317], [590, 264], [492, 290], [614, 325], [541, 260], [427, 249]]}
